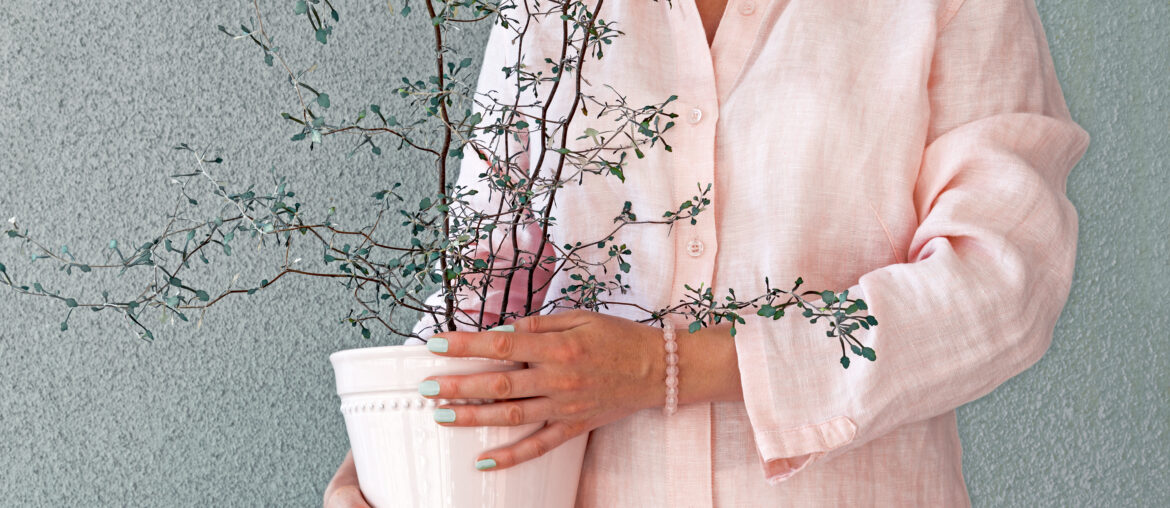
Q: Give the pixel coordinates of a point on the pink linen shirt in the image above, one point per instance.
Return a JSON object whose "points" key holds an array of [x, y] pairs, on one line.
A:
{"points": [[912, 152]]}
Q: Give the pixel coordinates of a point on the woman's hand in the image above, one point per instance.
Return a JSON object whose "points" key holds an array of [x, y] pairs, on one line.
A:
{"points": [[585, 369], [343, 490]]}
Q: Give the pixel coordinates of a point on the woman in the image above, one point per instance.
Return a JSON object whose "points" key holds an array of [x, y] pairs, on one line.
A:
{"points": [[913, 152]]}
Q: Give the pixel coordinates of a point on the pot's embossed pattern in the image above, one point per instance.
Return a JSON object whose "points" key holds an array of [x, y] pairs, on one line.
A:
{"points": [[404, 404], [405, 459]]}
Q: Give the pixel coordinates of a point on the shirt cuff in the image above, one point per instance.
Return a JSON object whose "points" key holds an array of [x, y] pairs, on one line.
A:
{"points": [[784, 453]]}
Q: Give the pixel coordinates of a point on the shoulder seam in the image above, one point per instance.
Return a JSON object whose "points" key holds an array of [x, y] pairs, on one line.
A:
{"points": [[951, 10]]}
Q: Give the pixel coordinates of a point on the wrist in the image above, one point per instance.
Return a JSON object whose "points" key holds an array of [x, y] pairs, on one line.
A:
{"points": [[654, 356], [708, 365]]}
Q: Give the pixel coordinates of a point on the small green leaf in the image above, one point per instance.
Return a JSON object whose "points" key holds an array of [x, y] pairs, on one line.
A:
{"points": [[869, 353], [323, 34], [828, 297], [695, 326], [323, 100], [64, 325], [3, 268], [845, 361], [173, 301], [202, 295], [113, 244], [365, 333], [69, 302], [301, 7]]}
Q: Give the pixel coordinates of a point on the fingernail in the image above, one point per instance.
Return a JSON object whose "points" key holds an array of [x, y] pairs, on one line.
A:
{"points": [[429, 388], [437, 345], [503, 328], [485, 464], [444, 415]]}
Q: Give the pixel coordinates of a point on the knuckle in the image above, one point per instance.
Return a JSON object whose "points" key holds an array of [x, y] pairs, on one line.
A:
{"points": [[539, 447], [572, 350], [514, 414], [502, 345], [574, 408], [572, 429], [571, 381], [501, 386], [450, 389], [535, 323]]}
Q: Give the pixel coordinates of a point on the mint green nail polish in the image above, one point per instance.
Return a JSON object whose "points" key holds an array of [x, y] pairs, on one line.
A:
{"points": [[503, 328], [485, 464], [429, 388], [444, 415], [437, 344]]}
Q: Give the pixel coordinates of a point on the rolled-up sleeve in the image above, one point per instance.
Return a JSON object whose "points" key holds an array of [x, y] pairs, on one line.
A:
{"points": [[988, 269]]}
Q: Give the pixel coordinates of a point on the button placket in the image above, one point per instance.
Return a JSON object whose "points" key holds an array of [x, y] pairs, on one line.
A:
{"points": [[687, 435]]}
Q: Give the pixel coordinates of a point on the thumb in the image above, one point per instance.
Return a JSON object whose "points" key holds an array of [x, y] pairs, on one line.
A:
{"points": [[347, 497]]}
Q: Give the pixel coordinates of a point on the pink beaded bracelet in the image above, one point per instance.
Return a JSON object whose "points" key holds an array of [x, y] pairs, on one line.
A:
{"points": [[671, 344]]}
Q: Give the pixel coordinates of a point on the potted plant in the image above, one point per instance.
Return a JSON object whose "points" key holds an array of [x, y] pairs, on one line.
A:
{"points": [[521, 129]]}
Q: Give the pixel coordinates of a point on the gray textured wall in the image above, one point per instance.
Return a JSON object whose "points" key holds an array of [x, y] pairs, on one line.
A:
{"points": [[93, 94]]}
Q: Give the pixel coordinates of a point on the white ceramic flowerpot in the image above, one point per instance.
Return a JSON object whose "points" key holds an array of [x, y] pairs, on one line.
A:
{"points": [[405, 459]]}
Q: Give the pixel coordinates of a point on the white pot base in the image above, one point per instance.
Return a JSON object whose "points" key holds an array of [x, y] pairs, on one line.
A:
{"points": [[405, 459]]}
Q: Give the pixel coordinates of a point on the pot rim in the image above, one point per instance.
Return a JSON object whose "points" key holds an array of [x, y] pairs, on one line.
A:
{"points": [[384, 369], [401, 351]]}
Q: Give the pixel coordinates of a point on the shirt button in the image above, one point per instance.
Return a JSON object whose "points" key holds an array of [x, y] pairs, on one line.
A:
{"points": [[696, 115], [747, 8], [695, 248]]}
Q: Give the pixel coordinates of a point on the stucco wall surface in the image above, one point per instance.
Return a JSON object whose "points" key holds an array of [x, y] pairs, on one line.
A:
{"points": [[242, 412]]}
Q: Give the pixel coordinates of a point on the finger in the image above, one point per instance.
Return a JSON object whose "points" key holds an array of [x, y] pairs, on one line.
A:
{"points": [[513, 384], [556, 322], [539, 443], [499, 414], [499, 345], [347, 497]]}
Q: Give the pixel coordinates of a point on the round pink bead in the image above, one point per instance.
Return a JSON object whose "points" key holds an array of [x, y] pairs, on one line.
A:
{"points": [[671, 400], [672, 382], [672, 358], [672, 370], [672, 347], [671, 391]]}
